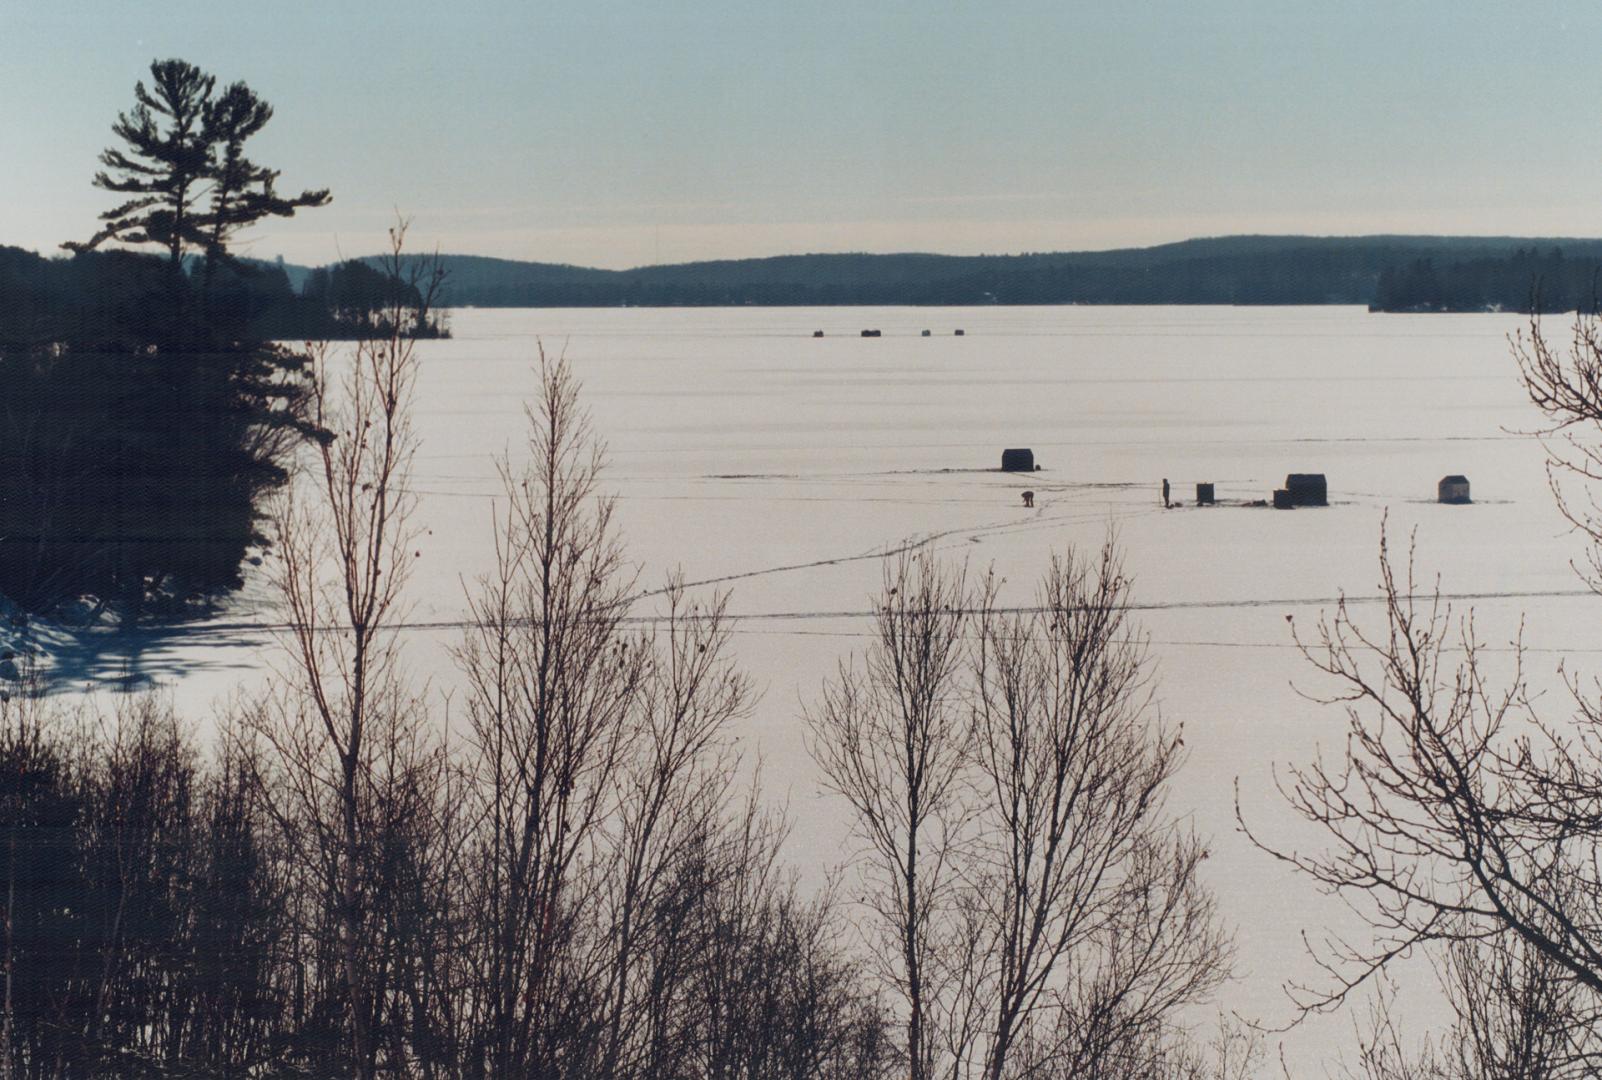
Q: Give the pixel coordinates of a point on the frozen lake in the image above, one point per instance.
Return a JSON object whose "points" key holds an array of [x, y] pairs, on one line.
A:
{"points": [[782, 466]]}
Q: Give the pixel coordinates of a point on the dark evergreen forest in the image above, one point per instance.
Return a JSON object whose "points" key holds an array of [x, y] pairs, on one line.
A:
{"points": [[147, 410], [105, 296], [1546, 281], [145, 403]]}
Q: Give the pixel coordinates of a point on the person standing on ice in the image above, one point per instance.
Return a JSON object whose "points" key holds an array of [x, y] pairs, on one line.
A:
{"points": [[1166, 504]]}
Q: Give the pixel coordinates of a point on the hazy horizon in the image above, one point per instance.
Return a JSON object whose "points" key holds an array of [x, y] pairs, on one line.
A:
{"points": [[622, 134]]}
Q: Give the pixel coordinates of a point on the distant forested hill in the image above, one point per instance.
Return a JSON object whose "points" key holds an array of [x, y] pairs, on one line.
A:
{"points": [[1387, 272]]}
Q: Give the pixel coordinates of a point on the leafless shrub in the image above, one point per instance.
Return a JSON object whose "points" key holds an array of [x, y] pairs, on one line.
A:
{"points": [[1038, 913], [617, 881], [1095, 928], [358, 772], [142, 902], [892, 740]]}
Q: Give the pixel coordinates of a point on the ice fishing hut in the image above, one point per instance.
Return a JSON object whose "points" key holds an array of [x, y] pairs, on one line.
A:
{"points": [[870, 333], [1018, 460], [1204, 495], [817, 333], [1453, 489], [1307, 489]]}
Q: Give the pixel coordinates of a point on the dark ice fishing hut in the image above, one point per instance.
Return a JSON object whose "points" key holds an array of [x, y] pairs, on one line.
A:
{"points": [[1018, 460], [1307, 489]]}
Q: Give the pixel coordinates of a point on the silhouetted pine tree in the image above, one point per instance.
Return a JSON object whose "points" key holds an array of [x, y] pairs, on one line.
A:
{"points": [[185, 166], [146, 412]]}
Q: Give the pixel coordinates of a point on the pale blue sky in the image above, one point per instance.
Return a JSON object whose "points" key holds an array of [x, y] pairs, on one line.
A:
{"points": [[615, 133]]}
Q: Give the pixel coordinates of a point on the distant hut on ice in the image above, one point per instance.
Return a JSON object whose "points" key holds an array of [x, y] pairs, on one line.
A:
{"points": [[1307, 489], [1453, 489], [1018, 460]]}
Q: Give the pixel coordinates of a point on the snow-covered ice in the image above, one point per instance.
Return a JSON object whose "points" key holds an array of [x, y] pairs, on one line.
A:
{"points": [[782, 466]]}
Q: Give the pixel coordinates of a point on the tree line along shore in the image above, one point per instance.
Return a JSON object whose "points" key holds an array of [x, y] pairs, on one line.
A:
{"points": [[285, 301]]}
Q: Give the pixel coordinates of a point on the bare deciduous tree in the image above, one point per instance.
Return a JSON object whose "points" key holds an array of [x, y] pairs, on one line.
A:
{"points": [[620, 880], [892, 739], [358, 769], [552, 679], [1456, 814], [1459, 819], [1515, 1014], [1040, 914], [1093, 925], [1565, 384], [585, 886]]}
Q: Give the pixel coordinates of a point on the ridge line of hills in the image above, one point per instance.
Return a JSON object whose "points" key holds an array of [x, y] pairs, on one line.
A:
{"points": [[1385, 272]]}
